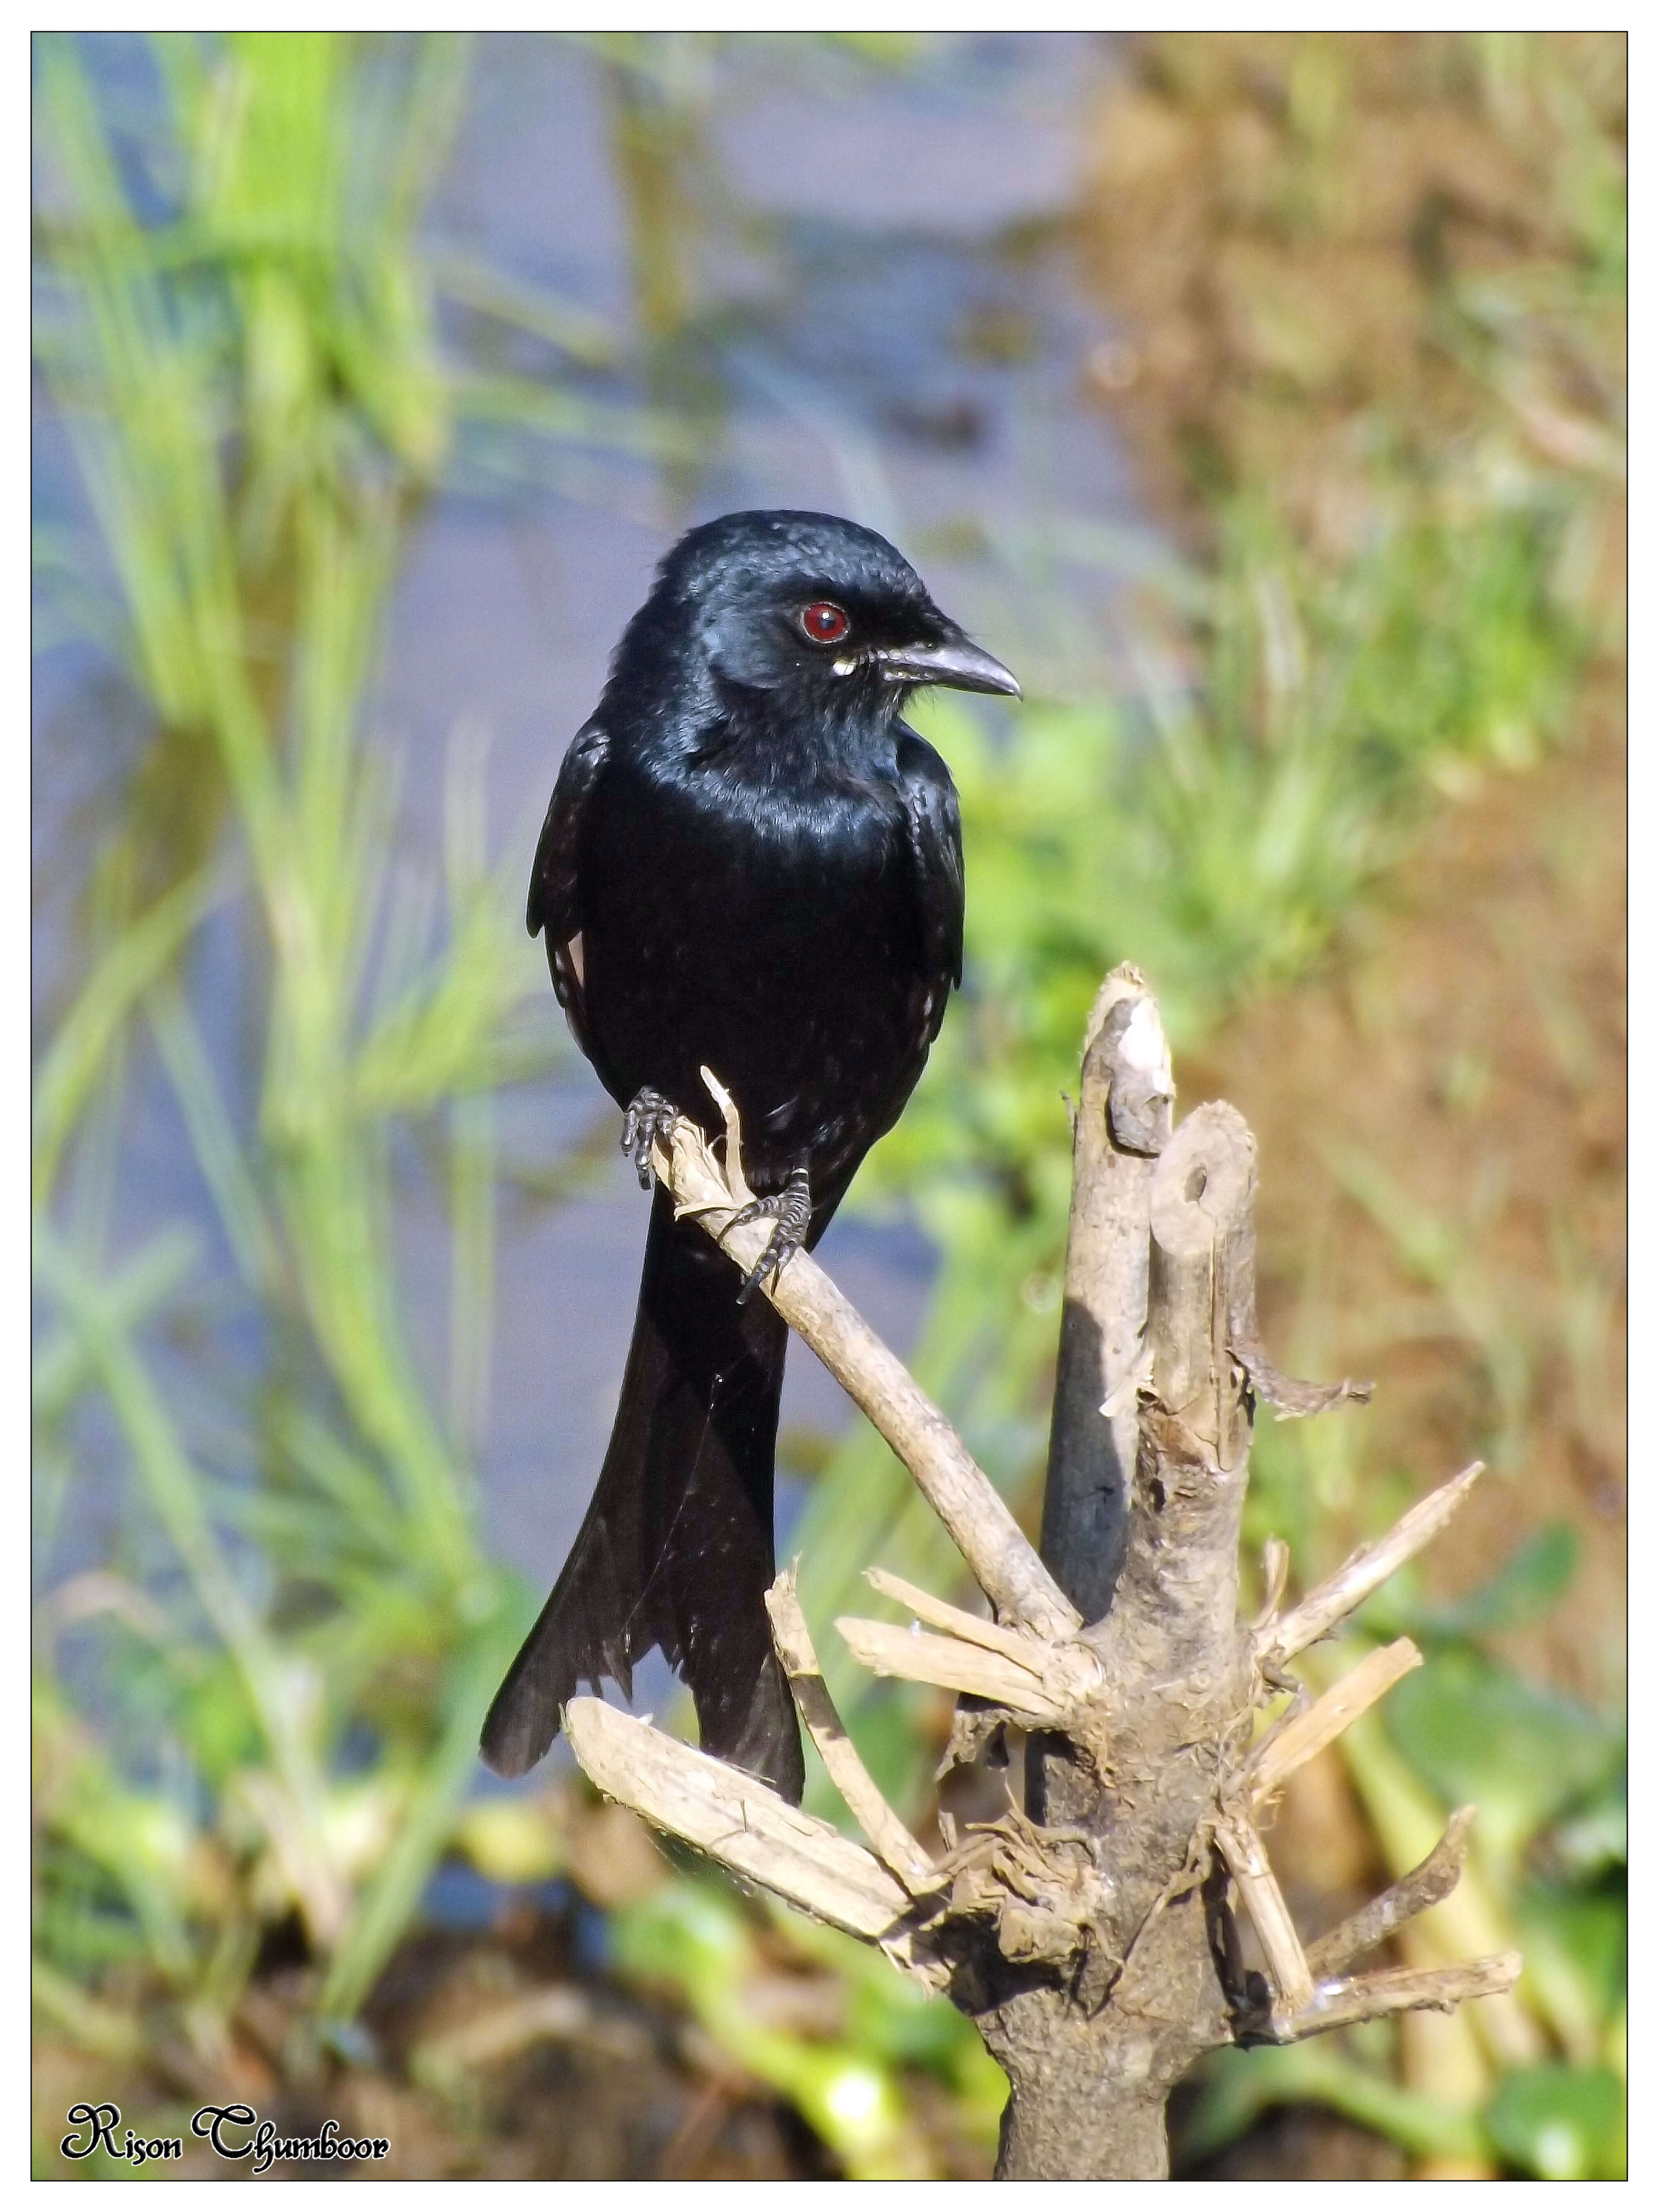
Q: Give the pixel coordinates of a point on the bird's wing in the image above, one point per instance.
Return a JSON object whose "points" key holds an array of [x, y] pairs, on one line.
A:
{"points": [[555, 904], [933, 827]]}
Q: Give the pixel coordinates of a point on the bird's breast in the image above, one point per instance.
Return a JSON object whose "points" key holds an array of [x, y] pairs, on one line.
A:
{"points": [[768, 932]]}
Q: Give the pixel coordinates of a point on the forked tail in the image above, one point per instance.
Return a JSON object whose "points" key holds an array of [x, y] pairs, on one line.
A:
{"points": [[677, 1547]]}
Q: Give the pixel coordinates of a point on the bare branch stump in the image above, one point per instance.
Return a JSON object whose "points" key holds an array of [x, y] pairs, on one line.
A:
{"points": [[1175, 1711], [1122, 1123], [1094, 1935]]}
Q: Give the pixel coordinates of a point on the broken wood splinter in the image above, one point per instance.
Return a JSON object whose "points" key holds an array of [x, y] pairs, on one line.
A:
{"points": [[1363, 1572], [896, 1848], [1304, 1736], [948, 1663], [1394, 1989]]}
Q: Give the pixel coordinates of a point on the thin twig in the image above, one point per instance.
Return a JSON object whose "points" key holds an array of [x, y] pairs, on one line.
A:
{"points": [[895, 1846], [1403, 1988], [1433, 1878], [1293, 1400], [1366, 1570], [1069, 1671], [1012, 1643], [1306, 1734], [1247, 1862]]}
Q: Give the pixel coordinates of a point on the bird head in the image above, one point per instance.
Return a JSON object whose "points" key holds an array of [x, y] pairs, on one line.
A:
{"points": [[814, 613]]}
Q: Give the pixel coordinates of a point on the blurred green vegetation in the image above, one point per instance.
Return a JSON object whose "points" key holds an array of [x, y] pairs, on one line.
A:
{"points": [[855, 2078], [255, 400], [297, 1627]]}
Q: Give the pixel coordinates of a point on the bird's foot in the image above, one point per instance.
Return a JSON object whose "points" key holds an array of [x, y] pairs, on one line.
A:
{"points": [[649, 1117], [790, 1213]]}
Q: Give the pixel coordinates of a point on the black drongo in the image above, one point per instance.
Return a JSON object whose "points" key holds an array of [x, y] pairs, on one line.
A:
{"points": [[749, 864]]}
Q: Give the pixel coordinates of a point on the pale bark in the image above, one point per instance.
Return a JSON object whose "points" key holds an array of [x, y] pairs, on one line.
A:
{"points": [[1126, 1092]]}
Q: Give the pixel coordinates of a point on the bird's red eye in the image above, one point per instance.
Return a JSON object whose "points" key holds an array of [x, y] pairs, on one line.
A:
{"points": [[824, 622]]}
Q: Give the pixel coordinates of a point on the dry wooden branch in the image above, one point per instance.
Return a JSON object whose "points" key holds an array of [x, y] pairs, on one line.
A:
{"points": [[1306, 1734], [896, 1848], [1122, 1124], [981, 1526], [1310, 1994], [1404, 1989], [1013, 1643], [1202, 1195], [1247, 1862], [949, 1663], [735, 1819], [1291, 1400], [1364, 1571], [1433, 1878]]}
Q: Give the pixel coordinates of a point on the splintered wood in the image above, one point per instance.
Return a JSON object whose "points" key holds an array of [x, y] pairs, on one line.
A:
{"points": [[735, 1819], [896, 1848], [1040, 1684], [1303, 1736], [1364, 1572]]}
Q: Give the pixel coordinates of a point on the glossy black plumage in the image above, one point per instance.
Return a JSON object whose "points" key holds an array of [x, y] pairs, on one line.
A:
{"points": [[749, 864]]}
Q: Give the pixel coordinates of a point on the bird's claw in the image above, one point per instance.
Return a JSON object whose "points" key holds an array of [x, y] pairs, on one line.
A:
{"points": [[650, 1116], [790, 1213]]}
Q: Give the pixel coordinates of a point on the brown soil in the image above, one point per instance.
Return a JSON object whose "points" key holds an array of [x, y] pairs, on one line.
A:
{"points": [[1462, 1066], [1279, 221]]}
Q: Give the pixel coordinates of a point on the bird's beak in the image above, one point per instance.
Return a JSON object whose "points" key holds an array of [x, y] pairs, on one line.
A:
{"points": [[956, 663]]}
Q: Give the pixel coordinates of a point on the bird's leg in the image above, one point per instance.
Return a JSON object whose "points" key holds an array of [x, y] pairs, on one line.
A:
{"points": [[649, 1117], [790, 1211]]}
